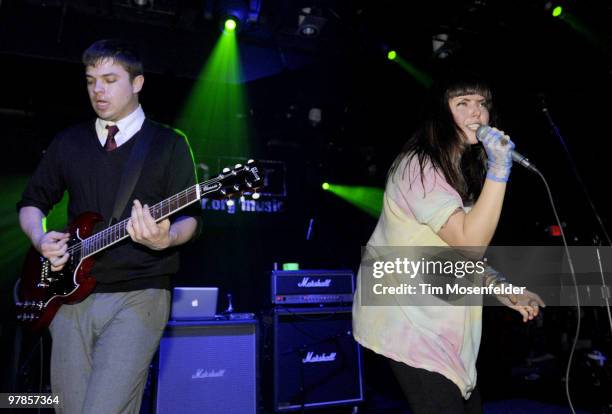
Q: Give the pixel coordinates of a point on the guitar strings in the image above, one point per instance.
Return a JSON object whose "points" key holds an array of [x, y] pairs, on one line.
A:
{"points": [[122, 225]]}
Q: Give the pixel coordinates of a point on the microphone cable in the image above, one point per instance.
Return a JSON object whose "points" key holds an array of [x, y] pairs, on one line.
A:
{"points": [[572, 272], [605, 290], [578, 177]]}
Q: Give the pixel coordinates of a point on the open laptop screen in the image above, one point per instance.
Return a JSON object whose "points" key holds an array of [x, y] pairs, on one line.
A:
{"points": [[194, 303]]}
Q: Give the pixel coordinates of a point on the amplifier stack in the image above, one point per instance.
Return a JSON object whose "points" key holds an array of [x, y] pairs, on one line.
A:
{"points": [[308, 337], [310, 357]]}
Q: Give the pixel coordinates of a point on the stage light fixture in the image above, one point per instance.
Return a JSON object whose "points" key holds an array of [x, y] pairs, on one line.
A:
{"points": [[309, 24], [230, 24], [554, 8], [392, 55], [441, 46], [325, 186], [314, 116], [234, 15]]}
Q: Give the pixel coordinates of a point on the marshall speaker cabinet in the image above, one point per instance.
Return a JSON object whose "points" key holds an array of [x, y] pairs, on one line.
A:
{"points": [[315, 361], [208, 367]]}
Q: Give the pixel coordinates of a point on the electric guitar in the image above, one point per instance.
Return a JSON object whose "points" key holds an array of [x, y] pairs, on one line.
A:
{"points": [[39, 292]]}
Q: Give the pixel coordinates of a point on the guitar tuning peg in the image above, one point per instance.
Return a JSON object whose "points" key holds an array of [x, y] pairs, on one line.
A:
{"points": [[237, 166], [226, 170], [223, 191], [255, 195], [250, 161], [248, 184]]}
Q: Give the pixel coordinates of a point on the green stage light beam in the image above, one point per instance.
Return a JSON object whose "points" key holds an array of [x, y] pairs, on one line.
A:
{"points": [[581, 28], [13, 241], [368, 199], [420, 76], [215, 115]]}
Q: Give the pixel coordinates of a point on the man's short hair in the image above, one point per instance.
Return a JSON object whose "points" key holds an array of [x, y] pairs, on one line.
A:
{"points": [[119, 51]]}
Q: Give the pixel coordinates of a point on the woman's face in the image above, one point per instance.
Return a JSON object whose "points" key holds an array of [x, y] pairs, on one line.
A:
{"points": [[469, 112]]}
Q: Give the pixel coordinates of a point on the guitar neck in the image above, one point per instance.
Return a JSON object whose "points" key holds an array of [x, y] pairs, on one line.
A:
{"points": [[117, 232]]}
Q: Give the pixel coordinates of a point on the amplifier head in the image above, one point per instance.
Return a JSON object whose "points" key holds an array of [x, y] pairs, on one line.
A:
{"points": [[312, 286]]}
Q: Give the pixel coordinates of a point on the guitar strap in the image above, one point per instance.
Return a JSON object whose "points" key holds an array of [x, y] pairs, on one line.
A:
{"points": [[132, 171]]}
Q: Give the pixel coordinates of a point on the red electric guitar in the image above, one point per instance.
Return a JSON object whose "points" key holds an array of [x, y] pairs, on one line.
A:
{"points": [[40, 292]]}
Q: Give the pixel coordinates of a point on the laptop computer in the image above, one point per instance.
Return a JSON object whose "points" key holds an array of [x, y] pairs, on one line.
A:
{"points": [[194, 303]]}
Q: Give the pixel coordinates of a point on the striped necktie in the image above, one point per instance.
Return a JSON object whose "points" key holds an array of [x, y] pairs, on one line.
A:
{"points": [[110, 138]]}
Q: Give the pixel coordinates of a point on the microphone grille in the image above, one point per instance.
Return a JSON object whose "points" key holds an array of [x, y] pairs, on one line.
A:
{"points": [[482, 132]]}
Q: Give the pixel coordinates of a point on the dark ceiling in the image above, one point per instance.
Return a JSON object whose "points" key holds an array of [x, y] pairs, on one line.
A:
{"points": [[176, 35]]}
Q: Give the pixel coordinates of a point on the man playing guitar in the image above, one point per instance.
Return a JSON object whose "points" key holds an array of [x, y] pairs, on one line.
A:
{"points": [[103, 345]]}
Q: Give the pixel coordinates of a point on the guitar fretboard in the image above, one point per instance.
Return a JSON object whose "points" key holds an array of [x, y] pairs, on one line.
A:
{"points": [[159, 211]]}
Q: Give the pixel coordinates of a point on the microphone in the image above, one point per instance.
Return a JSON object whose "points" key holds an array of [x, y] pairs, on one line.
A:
{"points": [[482, 132]]}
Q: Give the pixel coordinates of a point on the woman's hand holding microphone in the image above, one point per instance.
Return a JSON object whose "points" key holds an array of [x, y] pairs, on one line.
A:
{"points": [[498, 147]]}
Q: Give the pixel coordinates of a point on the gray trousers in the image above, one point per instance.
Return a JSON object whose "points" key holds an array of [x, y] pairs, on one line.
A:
{"points": [[102, 348]]}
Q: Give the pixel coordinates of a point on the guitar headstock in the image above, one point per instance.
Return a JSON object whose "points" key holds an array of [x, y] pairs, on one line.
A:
{"points": [[234, 181]]}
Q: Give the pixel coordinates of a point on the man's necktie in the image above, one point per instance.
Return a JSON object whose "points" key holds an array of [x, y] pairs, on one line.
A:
{"points": [[110, 138]]}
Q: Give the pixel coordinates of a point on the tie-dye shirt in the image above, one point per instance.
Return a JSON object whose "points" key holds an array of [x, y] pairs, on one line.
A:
{"points": [[443, 339]]}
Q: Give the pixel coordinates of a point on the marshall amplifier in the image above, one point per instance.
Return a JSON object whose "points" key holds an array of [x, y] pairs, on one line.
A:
{"points": [[292, 287], [312, 359], [208, 367]]}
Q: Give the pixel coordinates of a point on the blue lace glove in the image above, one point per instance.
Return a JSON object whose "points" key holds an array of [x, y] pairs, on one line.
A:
{"points": [[498, 147]]}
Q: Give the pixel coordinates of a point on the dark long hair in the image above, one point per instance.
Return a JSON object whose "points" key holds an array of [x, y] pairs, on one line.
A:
{"points": [[441, 142]]}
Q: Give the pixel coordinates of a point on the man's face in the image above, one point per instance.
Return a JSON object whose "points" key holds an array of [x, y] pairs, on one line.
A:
{"points": [[113, 96], [469, 112]]}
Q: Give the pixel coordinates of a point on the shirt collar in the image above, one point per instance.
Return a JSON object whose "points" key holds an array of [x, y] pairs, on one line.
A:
{"points": [[128, 127]]}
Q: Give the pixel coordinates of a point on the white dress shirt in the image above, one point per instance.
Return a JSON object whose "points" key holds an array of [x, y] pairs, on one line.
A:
{"points": [[128, 127]]}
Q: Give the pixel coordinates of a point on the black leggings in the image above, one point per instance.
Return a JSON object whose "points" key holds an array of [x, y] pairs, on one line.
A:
{"points": [[432, 393]]}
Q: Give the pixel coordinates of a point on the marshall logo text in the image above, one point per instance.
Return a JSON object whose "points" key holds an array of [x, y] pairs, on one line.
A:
{"points": [[200, 373], [311, 357], [306, 283]]}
